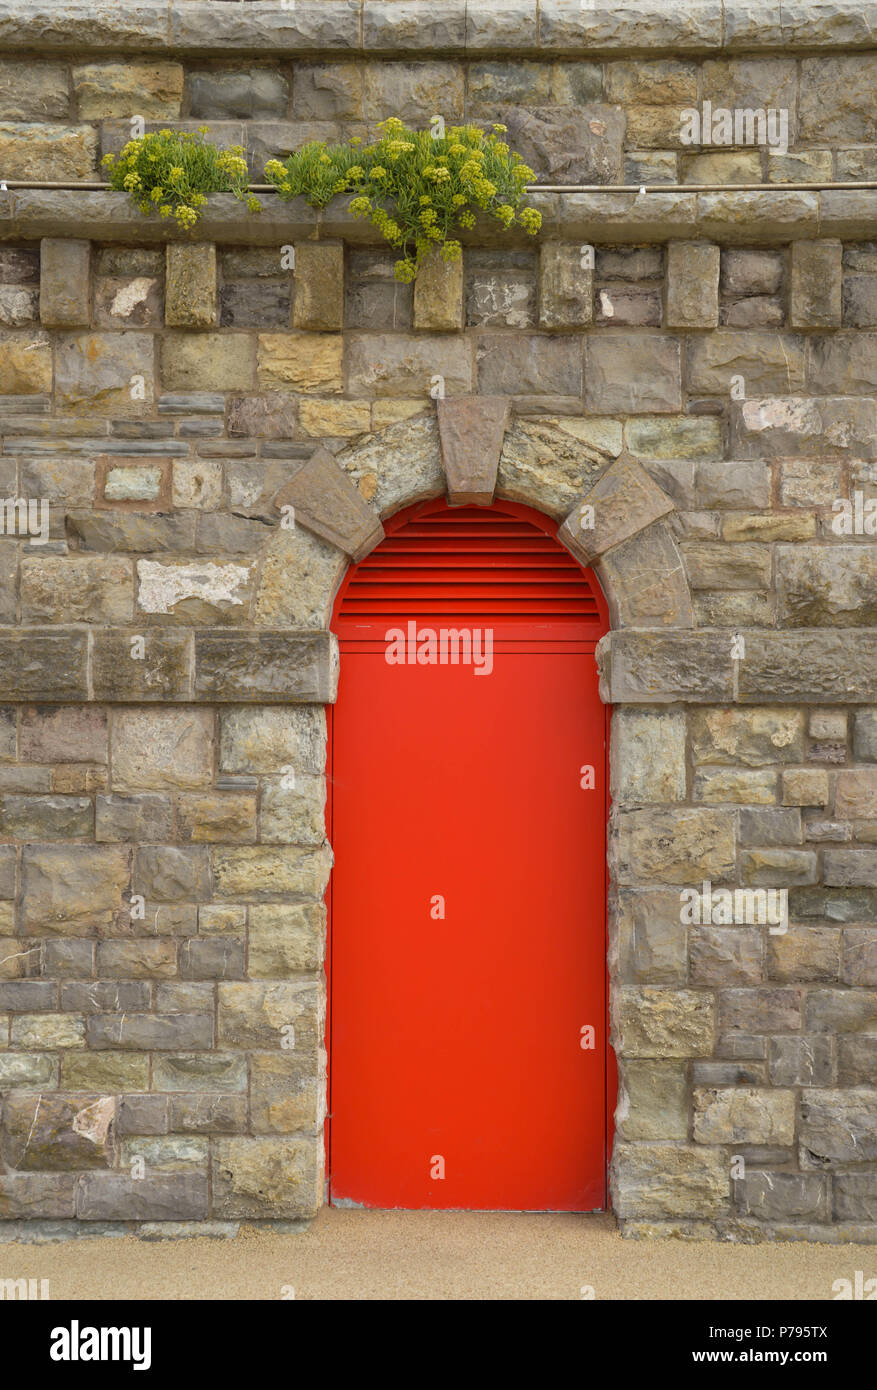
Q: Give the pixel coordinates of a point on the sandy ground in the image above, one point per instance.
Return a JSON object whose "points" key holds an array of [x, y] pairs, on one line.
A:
{"points": [[348, 1254]]}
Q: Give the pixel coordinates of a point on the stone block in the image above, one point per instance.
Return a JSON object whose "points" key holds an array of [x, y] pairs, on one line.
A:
{"points": [[190, 285], [264, 667], [678, 845], [668, 1180], [743, 1115], [25, 364], [285, 939], [326, 501], [471, 429], [267, 1177], [73, 891], [59, 1133], [156, 1197], [838, 1127], [65, 282], [621, 503], [692, 285], [319, 286], [207, 362], [566, 287], [301, 362], [153, 90], [157, 749], [636, 374], [663, 1023], [438, 294], [816, 284], [648, 756]]}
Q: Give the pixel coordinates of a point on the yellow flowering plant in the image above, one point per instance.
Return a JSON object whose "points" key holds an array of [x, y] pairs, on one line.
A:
{"points": [[417, 187], [174, 171]]}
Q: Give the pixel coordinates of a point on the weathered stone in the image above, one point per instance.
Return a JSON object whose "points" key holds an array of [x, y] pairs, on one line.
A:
{"points": [[856, 1057], [327, 502], [319, 286], [36, 1195], [165, 1197], [162, 673], [75, 589], [764, 1010], [645, 581], [801, 954], [677, 845], [654, 1101], [45, 152], [200, 1071], [649, 940], [753, 737], [726, 956], [270, 740], [65, 284], [107, 1072], [770, 1196], [273, 416], [254, 93], [400, 467], [208, 1113], [659, 668], [207, 362], [692, 285], [285, 939], [832, 586], [152, 90], [648, 756], [438, 294], [73, 891], [25, 364], [166, 873], [674, 437], [838, 1127], [260, 873], [660, 1180], [804, 1061], [566, 287], [632, 374], [471, 429], [300, 361], [267, 1177], [400, 365], [293, 815], [816, 284], [264, 666], [765, 361], [105, 373], [46, 817], [55, 1133], [148, 1032], [300, 574], [743, 1115], [286, 1094], [563, 144], [190, 285], [622, 502], [155, 749], [663, 1023]]}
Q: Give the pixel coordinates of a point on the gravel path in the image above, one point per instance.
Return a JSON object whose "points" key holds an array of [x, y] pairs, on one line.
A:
{"points": [[435, 1255]]}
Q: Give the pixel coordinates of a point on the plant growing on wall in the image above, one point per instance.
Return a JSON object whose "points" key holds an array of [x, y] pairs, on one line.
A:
{"points": [[417, 187], [174, 171]]}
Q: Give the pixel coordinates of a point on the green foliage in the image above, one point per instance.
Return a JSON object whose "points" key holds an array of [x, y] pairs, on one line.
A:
{"points": [[417, 187], [175, 171]]}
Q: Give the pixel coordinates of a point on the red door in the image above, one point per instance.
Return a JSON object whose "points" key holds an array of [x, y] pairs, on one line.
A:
{"points": [[468, 955]]}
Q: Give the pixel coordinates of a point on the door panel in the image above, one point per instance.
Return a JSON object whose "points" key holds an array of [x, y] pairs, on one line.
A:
{"points": [[458, 1038]]}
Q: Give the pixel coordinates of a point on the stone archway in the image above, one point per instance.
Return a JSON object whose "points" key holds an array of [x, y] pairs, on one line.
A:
{"points": [[570, 468]]}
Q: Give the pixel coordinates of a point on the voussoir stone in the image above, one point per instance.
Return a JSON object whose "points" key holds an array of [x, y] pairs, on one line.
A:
{"points": [[326, 500], [622, 502], [471, 430]]}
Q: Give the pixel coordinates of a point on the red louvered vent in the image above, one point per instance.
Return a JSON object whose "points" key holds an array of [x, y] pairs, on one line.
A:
{"points": [[486, 562]]}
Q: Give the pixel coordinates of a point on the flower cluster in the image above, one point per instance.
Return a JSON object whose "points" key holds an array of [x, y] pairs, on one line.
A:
{"points": [[416, 187], [175, 171]]}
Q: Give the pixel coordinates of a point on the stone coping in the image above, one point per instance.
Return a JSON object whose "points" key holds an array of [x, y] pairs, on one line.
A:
{"points": [[770, 214], [448, 27]]}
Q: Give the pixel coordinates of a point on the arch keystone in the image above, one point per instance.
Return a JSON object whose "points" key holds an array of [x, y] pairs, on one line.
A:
{"points": [[623, 501], [471, 431], [327, 502]]}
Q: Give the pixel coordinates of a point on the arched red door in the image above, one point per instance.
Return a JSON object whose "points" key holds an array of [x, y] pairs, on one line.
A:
{"points": [[468, 1047]]}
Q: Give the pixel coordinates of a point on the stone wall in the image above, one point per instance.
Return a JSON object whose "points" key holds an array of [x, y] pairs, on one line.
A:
{"points": [[707, 386]]}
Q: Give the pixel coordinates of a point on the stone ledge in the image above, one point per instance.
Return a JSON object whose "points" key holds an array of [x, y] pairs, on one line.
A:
{"points": [[198, 666], [555, 28], [604, 217], [819, 665]]}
